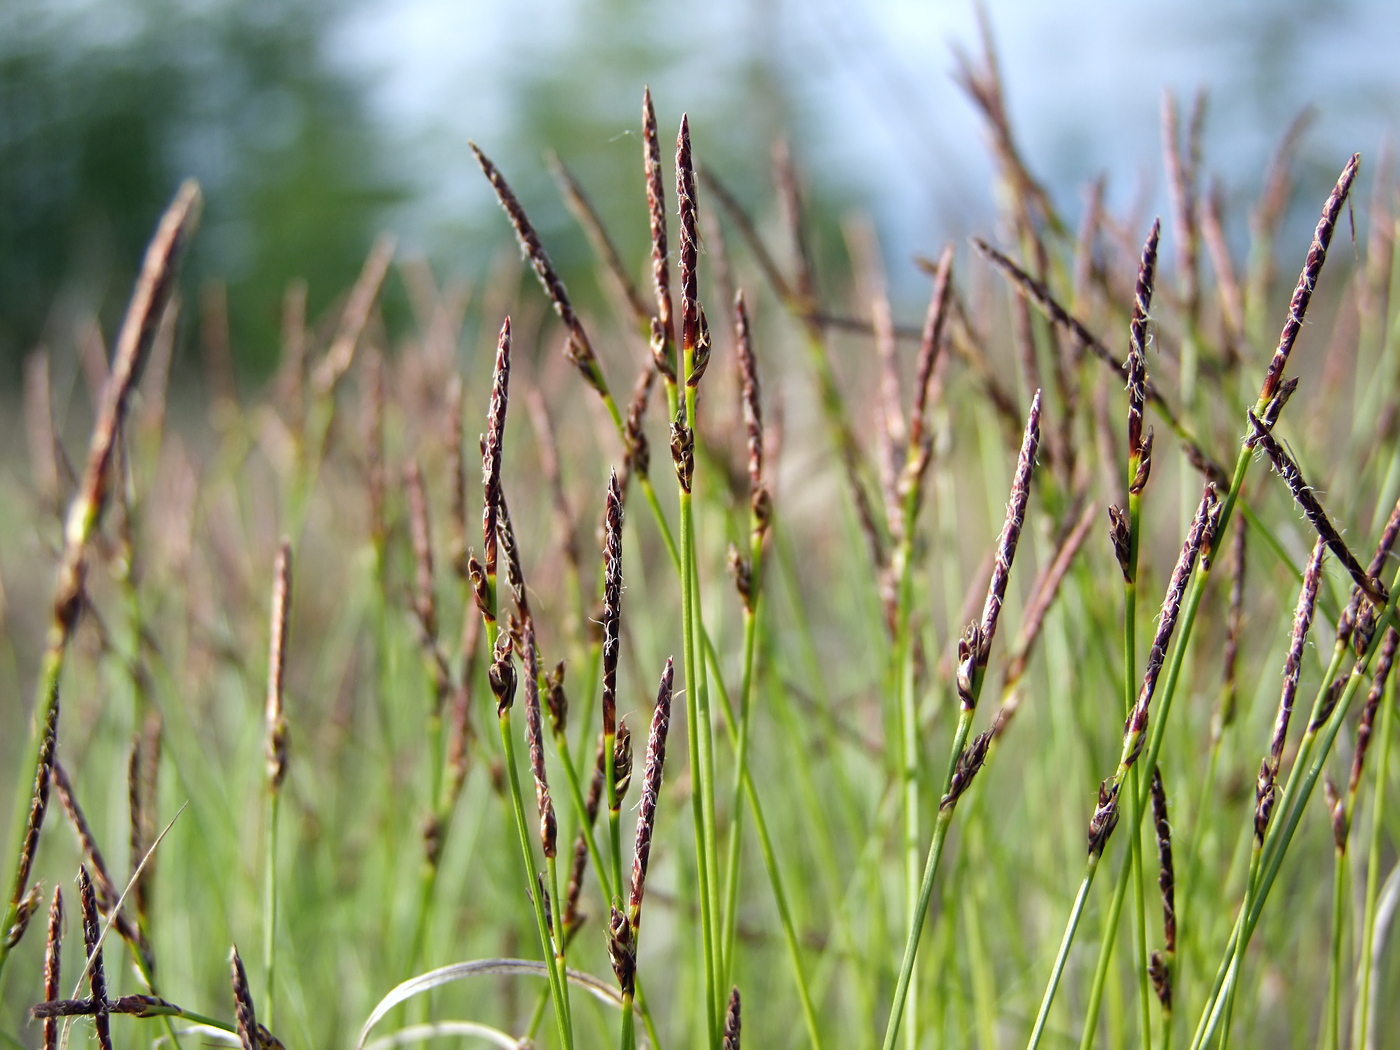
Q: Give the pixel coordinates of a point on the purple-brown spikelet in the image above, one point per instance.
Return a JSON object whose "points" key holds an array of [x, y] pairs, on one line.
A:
{"points": [[491, 451], [481, 591], [590, 815], [622, 761], [515, 570], [1105, 817], [92, 944], [695, 339], [930, 344], [749, 391], [732, 1021], [638, 452], [53, 964], [243, 1011], [502, 674], [1329, 704], [1197, 539], [656, 212], [137, 822], [1354, 618], [1265, 791], [1312, 508], [980, 641], [34, 823], [1166, 877], [612, 602], [622, 951], [1384, 662], [1137, 345], [683, 448], [1307, 280], [1120, 535], [651, 792], [556, 699], [277, 667], [966, 768], [534, 737], [580, 350], [1336, 808]]}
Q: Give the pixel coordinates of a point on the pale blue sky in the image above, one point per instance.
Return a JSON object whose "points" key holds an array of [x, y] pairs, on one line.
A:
{"points": [[876, 102]]}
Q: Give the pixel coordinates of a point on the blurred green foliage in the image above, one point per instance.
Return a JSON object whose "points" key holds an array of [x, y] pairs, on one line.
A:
{"points": [[105, 105]]}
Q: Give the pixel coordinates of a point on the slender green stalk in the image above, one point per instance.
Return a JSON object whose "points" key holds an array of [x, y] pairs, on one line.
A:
{"points": [[965, 759], [1332, 1017], [276, 761], [935, 856], [1365, 974], [270, 902], [752, 598], [1251, 888], [694, 718], [1076, 912], [527, 854], [1127, 537]]}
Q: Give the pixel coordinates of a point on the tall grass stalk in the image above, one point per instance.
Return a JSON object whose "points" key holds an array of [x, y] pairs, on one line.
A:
{"points": [[965, 760], [154, 285], [276, 760], [1127, 538], [694, 356], [1365, 974]]}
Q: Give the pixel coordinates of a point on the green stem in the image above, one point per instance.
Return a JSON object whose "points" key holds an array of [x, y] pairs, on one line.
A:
{"points": [[1365, 973], [915, 903], [274, 797], [694, 718], [557, 987], [1076, 913], [629, 1035], [1110, 932], [1332, 1022], [935, 854], [1250, 888], [770, 864], [741, 757]]}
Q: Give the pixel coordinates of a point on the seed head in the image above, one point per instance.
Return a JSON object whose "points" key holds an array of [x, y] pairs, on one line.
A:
{"points": [[276, 667], [1307, 280], [651, 792], [612, 601], [732, 1022]]}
